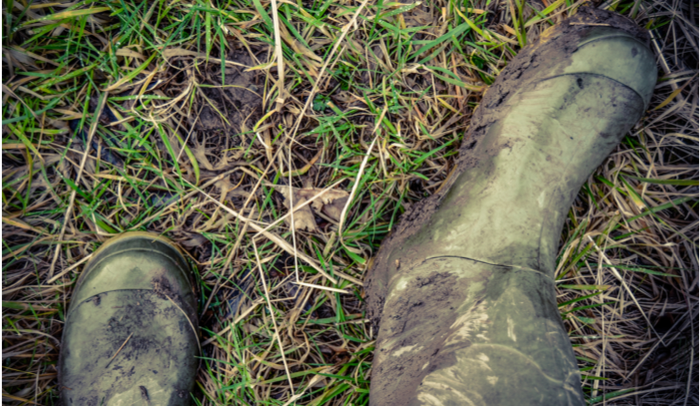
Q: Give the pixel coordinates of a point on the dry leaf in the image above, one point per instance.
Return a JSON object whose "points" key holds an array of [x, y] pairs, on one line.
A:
{"points": [[225, 162], [175, 52], [417, 18], [200, 153], [224, 185], [331, 203], [303, 217], [131, 53], [194, 240]]}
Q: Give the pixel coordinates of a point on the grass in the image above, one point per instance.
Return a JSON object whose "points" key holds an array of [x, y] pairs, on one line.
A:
{"points": [[103, 105]]}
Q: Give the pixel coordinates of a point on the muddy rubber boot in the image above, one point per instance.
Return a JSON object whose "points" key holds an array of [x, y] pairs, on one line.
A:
{"points": [[130, 333], [463, 289]]}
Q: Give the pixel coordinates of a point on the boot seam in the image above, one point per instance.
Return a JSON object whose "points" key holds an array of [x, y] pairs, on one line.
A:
{"points": [[602, 76], [517, 267], [84, 275], [620, 34]]}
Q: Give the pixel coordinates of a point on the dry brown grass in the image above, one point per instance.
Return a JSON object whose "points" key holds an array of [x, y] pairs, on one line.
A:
{"points": [[170, 165]]}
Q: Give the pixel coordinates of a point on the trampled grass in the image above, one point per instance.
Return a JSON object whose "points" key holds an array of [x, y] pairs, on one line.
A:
{"points": [[123, 116]]}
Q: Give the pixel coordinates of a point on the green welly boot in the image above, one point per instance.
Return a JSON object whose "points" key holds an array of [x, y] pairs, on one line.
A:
{"points": [[130, 334], [463, 289]]}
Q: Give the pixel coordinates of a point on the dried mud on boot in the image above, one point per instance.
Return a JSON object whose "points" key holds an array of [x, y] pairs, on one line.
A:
{"points": [[234, 108], [130, 353], [433, 297]]}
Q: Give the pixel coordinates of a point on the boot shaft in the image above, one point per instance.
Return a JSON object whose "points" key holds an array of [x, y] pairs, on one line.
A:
{"points": [[508, 207], [464, 289]]}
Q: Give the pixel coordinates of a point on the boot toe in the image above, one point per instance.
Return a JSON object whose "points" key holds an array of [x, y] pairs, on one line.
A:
{"points": [[130, 335], [616, 55], [135, 260], [129, 347]]}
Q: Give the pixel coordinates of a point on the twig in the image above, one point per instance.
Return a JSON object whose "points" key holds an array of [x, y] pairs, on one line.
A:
{"points": [[278, 54], [91, 133], [291, 213], [310, 97], [311, 285], [236, 321], [272, 316], [354, 189], [119, 350], [70, 268], [359, 176], [624, 284], [273, 237], [300, 206]]}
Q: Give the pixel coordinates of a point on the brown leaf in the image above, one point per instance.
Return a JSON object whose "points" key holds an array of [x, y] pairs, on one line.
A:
{"points": [[200, 153], [175, 52], [330, 203], [417, 17], [304, 218], [224, 185], [194, 240], [226, 160]]}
